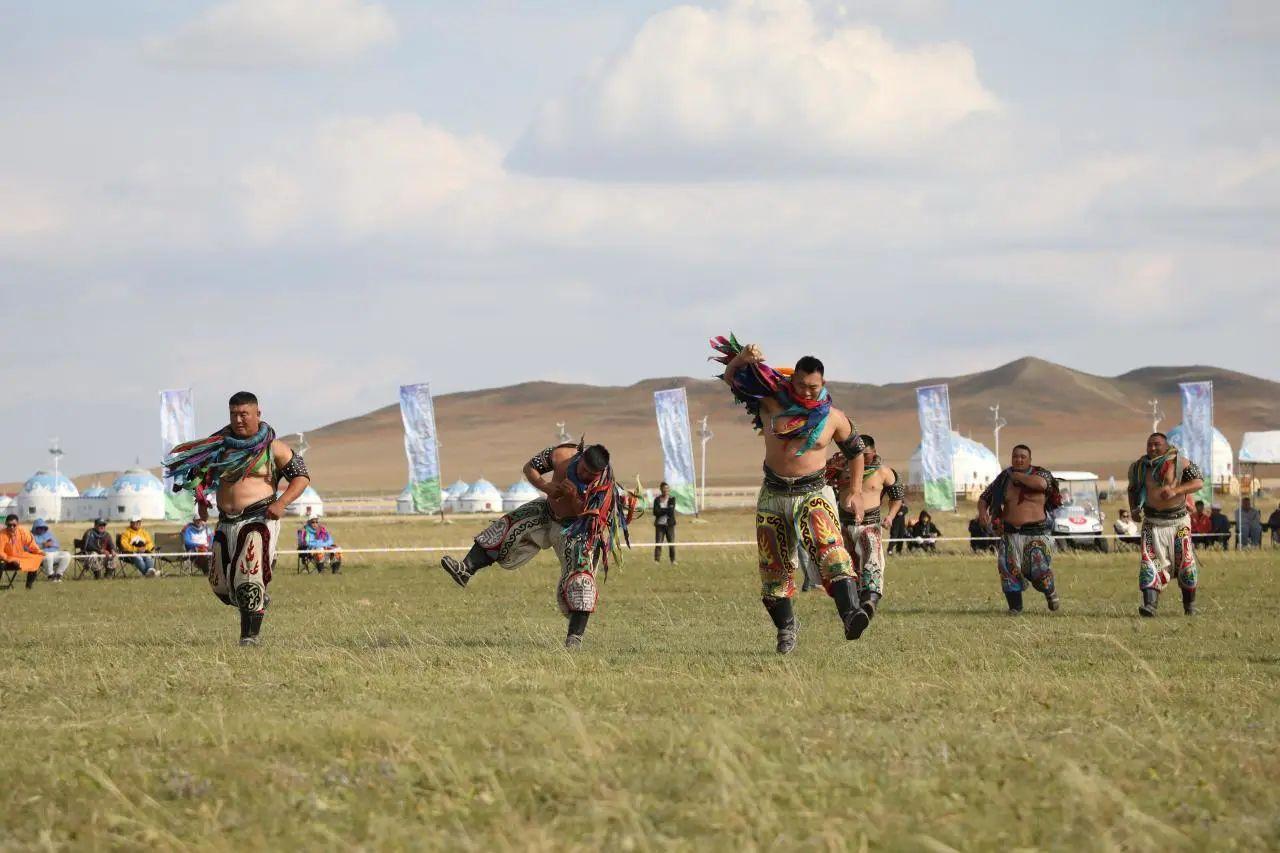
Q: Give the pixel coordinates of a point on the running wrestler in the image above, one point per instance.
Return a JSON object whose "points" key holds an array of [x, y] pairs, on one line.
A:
{"points": [[581, 517], [243, 464], [1017, 505], [865, 539], [1159, 484], [795, 506]]}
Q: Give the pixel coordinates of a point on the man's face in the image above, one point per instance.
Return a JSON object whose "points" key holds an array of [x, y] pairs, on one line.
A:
{"points": [[199, 522], [134, 525], [1199, 506], [807, 385], [585, 472], [101, 528], [666, 490], [1246, 503], [1157, 445], [11, 525], [1021, 458], [1124, 515], [245, 420], [869, 455]]}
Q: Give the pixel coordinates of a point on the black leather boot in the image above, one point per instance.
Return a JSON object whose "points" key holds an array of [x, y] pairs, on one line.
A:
{"points": [[784, 619], [855, 619], [1150, 600], [577, 627], [870, 600], [1189, 601], [1015, 602]]}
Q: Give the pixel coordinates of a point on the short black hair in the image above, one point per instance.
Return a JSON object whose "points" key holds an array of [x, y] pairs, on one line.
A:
{"points": [[810, 364], [243, 398], [1022, 447], [665, 484], [868, 440], [10, 517], [1162, 435], [596, 456], [1200, 504]]}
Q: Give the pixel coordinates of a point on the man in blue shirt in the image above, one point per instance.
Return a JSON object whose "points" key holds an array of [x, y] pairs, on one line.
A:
{"points": [[317, 539]]}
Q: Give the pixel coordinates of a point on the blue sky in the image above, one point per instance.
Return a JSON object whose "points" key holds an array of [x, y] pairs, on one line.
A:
{"points": [[319, 200]]}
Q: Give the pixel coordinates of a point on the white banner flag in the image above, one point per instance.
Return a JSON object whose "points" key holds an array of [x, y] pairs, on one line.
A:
{"points": [[418, 413], [1197, 431], [672, 408], [937, 456], [177, 425]]}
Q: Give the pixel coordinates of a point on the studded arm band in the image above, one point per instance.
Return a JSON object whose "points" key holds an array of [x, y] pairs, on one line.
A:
{"points": [[296, 468]]}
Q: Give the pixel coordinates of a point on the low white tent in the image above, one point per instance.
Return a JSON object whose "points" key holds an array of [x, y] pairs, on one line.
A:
{"points": [[973, 464], [136, 492], [483, 496], [91, 504], [1260, 448], [1223, 458], [307, 504], [404, 503], [41, 496], [519, 494], [452, 496]]}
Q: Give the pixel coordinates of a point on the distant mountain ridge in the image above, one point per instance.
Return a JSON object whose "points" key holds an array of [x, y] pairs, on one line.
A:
{"points": [[1071, 419]]}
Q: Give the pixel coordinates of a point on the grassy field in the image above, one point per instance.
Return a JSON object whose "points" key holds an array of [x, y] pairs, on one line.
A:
{"points": [[389, 709]]}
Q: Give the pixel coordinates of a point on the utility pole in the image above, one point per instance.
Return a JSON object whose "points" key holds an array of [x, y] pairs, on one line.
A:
{"points": [[999, 424], [704, 433]]}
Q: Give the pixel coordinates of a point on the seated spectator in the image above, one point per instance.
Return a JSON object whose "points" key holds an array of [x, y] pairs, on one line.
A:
{"points": [[197, 540], [136, 545], [1221, 527], [1127, 529], [924, 534], [100, 550], [56, 560], [1248, 525], [1201, 525], [19, 551], [1273, 522], [981, 536], [315, 537]]}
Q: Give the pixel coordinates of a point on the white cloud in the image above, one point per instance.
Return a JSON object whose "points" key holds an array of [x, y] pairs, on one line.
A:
{"points": [[254, 33], [760, 86]]}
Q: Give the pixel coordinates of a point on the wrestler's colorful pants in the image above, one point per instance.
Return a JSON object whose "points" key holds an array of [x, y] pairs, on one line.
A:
{"points": [[244, 552], [865, 542], [1166, 550], [785, 522], [518, 536], [1023, 558]]}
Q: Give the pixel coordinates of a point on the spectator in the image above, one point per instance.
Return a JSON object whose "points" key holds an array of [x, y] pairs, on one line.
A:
{"points": [[315, 537], [196, 541], [664, 524], [1127, 529], [1248, 525], [1201, 525], [1221, 527], [100, 550], [898, 532], [138, 545], [1273, 522], [18, 550], [56, 560], [924, 533], [981, 536]]}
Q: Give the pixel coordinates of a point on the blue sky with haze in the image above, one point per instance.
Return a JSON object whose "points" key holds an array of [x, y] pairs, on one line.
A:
{"points": [[321, 199]]}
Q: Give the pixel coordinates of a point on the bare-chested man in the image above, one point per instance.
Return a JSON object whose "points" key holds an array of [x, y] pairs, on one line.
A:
{"points": [[864, 539], [243, 463], [795, 506], [1019, 501], [1159, 484], [581, 516]]}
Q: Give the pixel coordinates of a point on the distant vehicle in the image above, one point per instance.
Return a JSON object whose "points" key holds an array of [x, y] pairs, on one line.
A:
{"points": [[1078, 522]]}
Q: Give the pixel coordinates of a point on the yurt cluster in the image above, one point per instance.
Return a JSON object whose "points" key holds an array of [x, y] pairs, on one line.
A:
{"points": [[480, 496]]}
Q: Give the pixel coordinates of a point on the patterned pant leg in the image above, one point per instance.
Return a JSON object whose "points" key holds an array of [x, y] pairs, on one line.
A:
{"points": [[868, 553], [517, 537], [251, 564], [1154, 559], [1009, 563], [776, 547], [820, 535], [1184, 558], [224, 540], [577, 591], [1037, 562]]}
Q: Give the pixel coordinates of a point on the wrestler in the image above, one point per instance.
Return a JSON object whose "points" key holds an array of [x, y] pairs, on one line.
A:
{"points": [[1159, 484], [581, 517], [1017, 505], [796, 507], [864, 539], [242, 463]]}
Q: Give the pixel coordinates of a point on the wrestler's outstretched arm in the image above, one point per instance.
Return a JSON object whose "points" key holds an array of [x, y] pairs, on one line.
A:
{"points": [[295, 470]]}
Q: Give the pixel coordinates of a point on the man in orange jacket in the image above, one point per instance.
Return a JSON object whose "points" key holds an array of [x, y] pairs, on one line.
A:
{"points": [[18, 549]]}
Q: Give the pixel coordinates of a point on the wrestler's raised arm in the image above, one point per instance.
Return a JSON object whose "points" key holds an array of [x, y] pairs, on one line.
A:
{"points": [[1029, 481], [545, 463], [750, 354], [293, 470]]}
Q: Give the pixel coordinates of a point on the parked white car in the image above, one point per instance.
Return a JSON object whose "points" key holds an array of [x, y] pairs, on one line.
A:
{"points": [[1078, 522]]}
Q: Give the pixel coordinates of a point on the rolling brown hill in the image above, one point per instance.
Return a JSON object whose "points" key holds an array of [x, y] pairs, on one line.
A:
{"points": [[1071, 419]]}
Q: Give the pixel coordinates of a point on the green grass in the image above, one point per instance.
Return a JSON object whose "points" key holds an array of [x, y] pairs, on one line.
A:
{"points": [[389, 709]]}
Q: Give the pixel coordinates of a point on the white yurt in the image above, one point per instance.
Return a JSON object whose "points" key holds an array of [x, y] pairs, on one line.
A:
{"points": [[135, 492], [7, 505], [452, 496], [41, 496], [974, 464], [404, 503], [519, 494], [1223, 456], [483, 496], [307, 504], [91, 504]]}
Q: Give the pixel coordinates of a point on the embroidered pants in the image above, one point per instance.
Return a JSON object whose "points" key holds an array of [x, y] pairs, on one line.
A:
{"points": [[244, 552], [786, 523], [1167, 552], [517, 537], [1023, 558]]}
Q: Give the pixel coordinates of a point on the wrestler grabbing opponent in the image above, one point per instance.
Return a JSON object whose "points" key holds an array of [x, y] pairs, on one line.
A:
{"points": [[243, 464], [795, 505], [581, 517], [864, 539]]}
